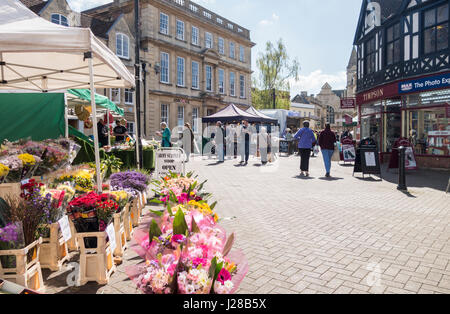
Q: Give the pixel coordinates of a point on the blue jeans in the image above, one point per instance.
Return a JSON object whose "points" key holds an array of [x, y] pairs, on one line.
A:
{"points": [[327, 154]]}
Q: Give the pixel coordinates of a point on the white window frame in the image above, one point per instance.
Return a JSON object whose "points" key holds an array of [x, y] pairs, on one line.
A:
{"points": [[195, 117], [195, 37], [195, 75], [121, 39], [130, 93], [60, 21], [242, 86], [210, 79], [181, 69], [182, 116], [221, 81], [221, 46], [232, 84], [232, 50], [130, 130], [162, 68], [165, 30], [241, 53], [209, 40], [118, 95], [167, 113], [180, 35]]}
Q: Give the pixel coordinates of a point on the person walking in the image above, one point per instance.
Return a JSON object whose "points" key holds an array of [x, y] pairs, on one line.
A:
{"points": [[188, 140], [219, 140], [306, 142], [264, 145], [327, 142], [245, 133], [166, 135]]}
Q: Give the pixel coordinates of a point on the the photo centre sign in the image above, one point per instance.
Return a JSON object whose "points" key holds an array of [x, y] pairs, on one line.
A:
{"points": [[168, 161]]}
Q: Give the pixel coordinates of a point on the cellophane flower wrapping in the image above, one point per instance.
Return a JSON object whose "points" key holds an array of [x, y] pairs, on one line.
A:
{"points": [[11, 238]]}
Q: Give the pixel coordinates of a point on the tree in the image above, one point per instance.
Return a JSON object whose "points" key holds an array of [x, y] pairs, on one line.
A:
{"points": [[275, 70]]}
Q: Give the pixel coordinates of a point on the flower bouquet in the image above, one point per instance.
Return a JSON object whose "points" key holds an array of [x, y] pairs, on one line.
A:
{"points": [[129, 180], [4, 170], [11, 238], [21, 166]]}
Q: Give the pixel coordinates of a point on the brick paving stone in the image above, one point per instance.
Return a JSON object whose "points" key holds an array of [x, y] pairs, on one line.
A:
{"points": [[322, 236]]}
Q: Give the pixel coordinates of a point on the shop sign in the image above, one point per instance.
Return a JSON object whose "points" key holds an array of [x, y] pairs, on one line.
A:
{"points": [[348, 103], [181, 100], [373, 95], [423, 84], [169, 161]]}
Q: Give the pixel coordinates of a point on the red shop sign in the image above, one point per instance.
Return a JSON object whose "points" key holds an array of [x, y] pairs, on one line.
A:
{"points": [[348, 103]]}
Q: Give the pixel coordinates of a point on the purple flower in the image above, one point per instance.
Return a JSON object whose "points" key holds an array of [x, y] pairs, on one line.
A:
{"points": [[10, 233]]}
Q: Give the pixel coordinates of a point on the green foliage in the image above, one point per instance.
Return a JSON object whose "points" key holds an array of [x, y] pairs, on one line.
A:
{"points": [[179, 224], [154, 231], [275, 70]]}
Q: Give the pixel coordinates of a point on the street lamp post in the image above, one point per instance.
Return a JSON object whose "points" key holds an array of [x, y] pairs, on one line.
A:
{"points": [[137, 71]]}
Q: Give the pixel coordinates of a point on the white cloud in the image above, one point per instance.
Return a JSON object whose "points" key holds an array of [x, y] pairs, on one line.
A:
{"points": [[81, 5], [314, 81], [275, 18]]}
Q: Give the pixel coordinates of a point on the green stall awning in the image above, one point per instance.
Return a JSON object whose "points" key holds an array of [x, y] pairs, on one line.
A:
{"points": [[100, 100]]}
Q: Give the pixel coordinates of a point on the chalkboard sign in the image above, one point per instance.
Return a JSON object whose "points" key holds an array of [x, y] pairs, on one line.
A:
{"points": [[367, 160], [284, 147]]}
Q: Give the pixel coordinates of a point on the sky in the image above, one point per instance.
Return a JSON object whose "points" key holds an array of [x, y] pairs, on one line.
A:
{"points": [[319, 34]]}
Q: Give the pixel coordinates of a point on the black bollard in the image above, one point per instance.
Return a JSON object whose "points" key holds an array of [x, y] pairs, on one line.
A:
{"points": [[402, 169]]}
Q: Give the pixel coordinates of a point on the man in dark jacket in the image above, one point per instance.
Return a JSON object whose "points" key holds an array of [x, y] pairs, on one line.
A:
{"points": [[327, 142]]}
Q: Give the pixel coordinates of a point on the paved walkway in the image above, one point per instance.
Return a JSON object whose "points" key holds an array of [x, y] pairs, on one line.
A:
{"points": [[318, 235]]}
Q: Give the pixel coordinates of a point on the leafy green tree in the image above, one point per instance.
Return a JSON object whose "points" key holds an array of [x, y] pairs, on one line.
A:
{"points": [[275, 70]]}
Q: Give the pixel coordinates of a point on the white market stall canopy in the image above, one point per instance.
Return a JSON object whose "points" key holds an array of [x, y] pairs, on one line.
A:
{"points": [[38, 55]]}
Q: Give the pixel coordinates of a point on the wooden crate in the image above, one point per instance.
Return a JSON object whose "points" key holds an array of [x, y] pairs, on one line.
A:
{"points": [[119, 229], [135, 212], [72, 244], [27, 274], [128, 225], [54, 250], [12, 189], [95, 264]]}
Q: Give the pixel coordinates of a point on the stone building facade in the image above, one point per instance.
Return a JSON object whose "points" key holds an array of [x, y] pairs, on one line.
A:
{"points": [[196, 61]]}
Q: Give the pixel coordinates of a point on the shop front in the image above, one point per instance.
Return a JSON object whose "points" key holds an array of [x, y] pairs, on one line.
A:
{"points": [[416, 109]]}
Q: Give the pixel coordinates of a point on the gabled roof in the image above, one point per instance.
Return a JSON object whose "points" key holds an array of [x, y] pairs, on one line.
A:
{"points": [[353, 59], [231, 113], [388, 9], [98, 26], [300, 99], [34, 5]]}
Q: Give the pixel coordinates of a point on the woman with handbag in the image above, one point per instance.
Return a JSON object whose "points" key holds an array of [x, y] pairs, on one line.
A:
{"points": [[327, 142]]}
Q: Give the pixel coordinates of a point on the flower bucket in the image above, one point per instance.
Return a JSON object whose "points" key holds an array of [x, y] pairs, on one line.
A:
{"points": [[54, 250]]}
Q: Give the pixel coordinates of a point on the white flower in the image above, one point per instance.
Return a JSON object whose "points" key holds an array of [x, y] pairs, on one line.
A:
{"points": [[229, 285]]}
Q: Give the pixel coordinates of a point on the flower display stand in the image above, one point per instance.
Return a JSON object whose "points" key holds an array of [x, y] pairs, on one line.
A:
{"points": [[72, 244], [135, 212], [128, 225], [95, 264], [12, 189], [119, 229], [26, 273], [54, 251]]}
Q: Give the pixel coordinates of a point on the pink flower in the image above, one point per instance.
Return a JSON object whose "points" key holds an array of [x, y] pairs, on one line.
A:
{"points": [[171, 269], [183, 198], [223, 276], [178, 238], [199, 261]]}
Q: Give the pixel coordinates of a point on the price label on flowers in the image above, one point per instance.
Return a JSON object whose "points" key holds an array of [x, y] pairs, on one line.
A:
{"points": [[65, 228]]}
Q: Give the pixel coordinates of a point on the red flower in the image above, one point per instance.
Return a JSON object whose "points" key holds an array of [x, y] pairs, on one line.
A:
{"points": [[224, 276]]}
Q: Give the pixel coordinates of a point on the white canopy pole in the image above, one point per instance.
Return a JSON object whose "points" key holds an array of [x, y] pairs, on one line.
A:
{"points": [[137, 139], [109, 131], [95, 129], [66, 115]]}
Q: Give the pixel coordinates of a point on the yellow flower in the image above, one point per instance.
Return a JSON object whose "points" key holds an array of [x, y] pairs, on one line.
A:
{"points": [[4, 170], [27, 159]]}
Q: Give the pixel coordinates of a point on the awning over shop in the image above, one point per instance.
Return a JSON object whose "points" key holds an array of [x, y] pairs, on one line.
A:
{"points": [[231, 114], [100, 100]]}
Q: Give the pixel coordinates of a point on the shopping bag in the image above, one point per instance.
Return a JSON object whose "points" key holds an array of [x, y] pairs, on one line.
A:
{"points": [[336, 155]]}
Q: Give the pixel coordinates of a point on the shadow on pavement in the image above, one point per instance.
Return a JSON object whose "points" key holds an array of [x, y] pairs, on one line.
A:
{"points": [[303, 177], [331, 179], [423, 178]]}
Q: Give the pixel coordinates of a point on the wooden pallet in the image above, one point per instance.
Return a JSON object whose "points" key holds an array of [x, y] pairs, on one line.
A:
{"points": [[135, 212], [119, 229], [54, 250], [128, 225], [11, 189], [72, 244], [96, 264], [26, 273]]}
